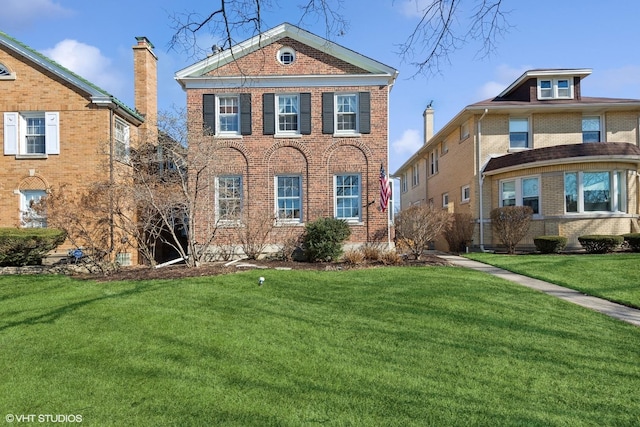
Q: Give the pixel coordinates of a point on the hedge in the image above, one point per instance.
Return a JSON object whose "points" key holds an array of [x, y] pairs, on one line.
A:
{"points": [[600, 243], [633, 240], [27, 246], [550, 244]]}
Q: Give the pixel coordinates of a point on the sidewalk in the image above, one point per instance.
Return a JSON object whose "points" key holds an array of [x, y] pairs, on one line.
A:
{"points": [[618, 311]]}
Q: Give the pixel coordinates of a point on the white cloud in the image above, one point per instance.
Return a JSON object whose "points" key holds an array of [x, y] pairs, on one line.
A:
{"points": [[88, 62], [505, 75], [17, 14], [409, 143]]}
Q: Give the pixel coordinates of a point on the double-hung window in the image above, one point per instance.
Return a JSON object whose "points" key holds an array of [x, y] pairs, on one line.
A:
{"points": [[30, 217], [403, 183], [521, 192], [433, 161], [228, 109], [415, 175], [346, 113], [122, 141], [229, 198], [347, 193], [591, 129], [518, 132], [466, 193], [289, 198], [31, 133], [595, 191], [288, 111]]}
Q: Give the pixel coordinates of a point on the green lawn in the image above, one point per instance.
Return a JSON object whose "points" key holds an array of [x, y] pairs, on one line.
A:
{"points": [[614, 276], [414, 346]]}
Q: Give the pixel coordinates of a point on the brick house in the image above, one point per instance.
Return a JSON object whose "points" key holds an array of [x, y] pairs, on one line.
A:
{"points": [[573, 159], [58, 128], [302, 129]]}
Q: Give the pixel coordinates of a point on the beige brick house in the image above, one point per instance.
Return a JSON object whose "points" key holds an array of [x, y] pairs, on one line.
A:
{"points": [[302, 126], [541, 143], [58, 128]]}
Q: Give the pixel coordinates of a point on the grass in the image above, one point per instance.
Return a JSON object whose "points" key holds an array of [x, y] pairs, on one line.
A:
{"points": [[614, 276], [382, 347]]}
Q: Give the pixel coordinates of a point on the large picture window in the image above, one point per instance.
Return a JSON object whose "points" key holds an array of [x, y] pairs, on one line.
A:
{"points": [[347, 193], [595, 191], [289, 198]]}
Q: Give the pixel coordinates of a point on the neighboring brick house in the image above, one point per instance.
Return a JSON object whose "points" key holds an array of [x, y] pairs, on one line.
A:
{"points": [[541, 143], [57, 128], [302, 129]]}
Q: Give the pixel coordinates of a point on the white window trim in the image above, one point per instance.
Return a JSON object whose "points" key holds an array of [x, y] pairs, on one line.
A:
{"points": [[127, 140], [403, 183], [519, 196], [357, 219], [343, 132], [287, 221], [236, 221], [445, 200], [15, 134], [614, 185], [554, 88], [25, 209], [284, 50], [219, 132], [277, 118], [433, 162], [466, 199]]}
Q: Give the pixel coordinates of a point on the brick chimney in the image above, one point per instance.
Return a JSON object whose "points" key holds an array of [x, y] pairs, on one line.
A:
{"points": [[428, 123], [145, 71]]}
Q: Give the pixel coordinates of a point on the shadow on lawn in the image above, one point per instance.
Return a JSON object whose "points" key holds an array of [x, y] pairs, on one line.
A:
{"points": [[57, 313]]}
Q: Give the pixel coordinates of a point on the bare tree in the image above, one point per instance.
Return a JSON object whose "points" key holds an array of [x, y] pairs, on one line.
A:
{"points": [[170, 182], [443, 27], [419, 226], [511, 224]]}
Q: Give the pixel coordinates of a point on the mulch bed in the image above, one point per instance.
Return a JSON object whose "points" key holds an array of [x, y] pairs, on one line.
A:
{"points": [[214, 269]]}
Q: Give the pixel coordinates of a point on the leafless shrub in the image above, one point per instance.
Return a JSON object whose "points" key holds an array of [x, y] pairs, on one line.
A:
{"points": [[459, 232], [391, 258], [254, 232], [418, 226], [511, 224], [353, 257]]}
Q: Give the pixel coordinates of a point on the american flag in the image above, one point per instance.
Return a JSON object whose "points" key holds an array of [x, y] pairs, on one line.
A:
{"points": [[385, 190]]}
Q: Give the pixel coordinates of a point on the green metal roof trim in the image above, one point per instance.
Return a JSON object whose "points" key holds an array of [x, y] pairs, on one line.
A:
{"points": [[98, 95]]}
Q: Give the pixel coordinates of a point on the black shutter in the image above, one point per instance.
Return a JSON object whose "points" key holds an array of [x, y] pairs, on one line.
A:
{"points": [[364, 104], [305, 113], [268, 114], [327, 112], [209, 114], [245, 114]]}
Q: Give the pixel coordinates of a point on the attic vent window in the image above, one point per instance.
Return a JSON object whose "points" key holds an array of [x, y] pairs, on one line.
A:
{"points": [[286, 56], [5, 74], [4, 71]]}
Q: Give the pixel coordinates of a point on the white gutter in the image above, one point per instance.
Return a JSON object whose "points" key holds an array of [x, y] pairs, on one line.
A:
{"points": [[480, 181]]}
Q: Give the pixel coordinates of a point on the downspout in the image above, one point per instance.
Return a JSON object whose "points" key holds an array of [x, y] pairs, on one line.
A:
{"points": [[111, 182], [480, 181]]}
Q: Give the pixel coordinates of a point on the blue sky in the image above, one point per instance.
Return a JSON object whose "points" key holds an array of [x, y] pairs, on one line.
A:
{"points": [[94, 39]]}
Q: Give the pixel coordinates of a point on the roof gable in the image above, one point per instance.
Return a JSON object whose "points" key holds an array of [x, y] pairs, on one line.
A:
{"points": [[97, 95], [351, 62]]}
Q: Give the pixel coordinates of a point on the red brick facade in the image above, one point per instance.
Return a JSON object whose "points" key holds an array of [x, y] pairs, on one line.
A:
{"points": [[316, 157]]}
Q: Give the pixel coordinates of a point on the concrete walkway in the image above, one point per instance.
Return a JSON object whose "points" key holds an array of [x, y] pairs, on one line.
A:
{"points": [[618, 311]]}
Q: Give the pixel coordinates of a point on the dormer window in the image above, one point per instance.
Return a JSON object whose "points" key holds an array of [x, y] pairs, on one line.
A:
{"points": [[555, 89]]}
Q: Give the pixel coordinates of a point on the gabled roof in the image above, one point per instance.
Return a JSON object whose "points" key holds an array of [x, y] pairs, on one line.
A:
{"points": [[97, 95], [568, 153], [199, 70]]}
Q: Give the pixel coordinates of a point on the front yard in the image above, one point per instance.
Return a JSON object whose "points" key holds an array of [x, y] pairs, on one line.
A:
{"points": [[384, 346], [614, 276]]}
